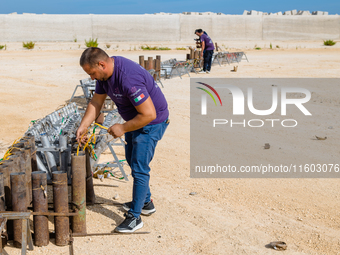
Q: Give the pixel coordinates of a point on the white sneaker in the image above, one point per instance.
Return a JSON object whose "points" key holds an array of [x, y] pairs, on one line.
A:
{"points": [[208, 71], [201, 71]]}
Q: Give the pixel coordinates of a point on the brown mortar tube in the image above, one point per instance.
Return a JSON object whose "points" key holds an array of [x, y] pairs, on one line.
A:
{"points": [[78, 192], [90, 196], [31, 140], [26, 167], [2, 193], [9, 166], [150, 63], [16, 163], [40, 204], [6, 168], [22, 162], [60, 201], [19, 203], [2, 206], [141, 61]]}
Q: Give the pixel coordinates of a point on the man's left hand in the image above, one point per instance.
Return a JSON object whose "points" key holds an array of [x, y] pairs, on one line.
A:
{"points": [[117, 130]]}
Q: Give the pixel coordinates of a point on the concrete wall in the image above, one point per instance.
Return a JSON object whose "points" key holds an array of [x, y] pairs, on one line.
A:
{"points": [[222, 28], [301, 27], [175, 27]]}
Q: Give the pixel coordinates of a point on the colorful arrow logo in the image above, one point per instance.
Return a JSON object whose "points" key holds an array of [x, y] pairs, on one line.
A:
{"points": [[209, 93]]}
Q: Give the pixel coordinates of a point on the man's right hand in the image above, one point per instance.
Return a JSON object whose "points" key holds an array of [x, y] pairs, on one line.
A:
{"points": [[82, 135], [91, 113]]}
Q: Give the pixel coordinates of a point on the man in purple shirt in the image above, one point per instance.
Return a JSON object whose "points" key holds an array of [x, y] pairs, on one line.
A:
{"points": [[143, 106], [207, 50]]}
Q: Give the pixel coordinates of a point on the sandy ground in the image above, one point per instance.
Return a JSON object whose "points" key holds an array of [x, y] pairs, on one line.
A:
{"points": [[225, 216]]}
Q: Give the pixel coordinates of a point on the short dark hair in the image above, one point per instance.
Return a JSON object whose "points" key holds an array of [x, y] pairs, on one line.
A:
{"points": [[198, 31], [91, 56]]}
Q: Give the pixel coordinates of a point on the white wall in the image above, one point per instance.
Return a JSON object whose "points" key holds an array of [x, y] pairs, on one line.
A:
{"points": [[175, 27], [301, 27]]}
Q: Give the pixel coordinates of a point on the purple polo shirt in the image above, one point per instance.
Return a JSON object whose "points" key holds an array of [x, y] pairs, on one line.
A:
{"points": [[209, 45], [129, 86]]}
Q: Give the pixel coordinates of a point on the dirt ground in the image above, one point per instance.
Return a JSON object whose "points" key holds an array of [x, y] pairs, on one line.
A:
{"points": [[225, 216]]}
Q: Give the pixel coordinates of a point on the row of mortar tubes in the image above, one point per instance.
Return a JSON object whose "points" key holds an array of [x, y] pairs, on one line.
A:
{"points": [[53, 123]]}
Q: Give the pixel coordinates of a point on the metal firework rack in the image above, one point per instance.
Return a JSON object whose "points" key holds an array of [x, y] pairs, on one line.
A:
{"points": [[47, 155]]}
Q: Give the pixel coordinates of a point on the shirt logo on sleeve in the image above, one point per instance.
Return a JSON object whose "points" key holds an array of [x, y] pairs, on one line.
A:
{"points": [[140, 97], [133, 89]]}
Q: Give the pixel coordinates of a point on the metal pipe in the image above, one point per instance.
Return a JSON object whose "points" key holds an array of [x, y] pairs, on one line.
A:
{"points": [[60, 200], [150, 63], [141, 61], [6, 169], [63, 153], [49, 156], [40, 204], [154, 67], [21, 144], [41, 167], [28, 173], [31, 139], [4, 237], [19, 203], [90, 196], [26, 167], [2, 193], [78, 192], [21, 154], [2, 207], [16, 163], [158, 65]]}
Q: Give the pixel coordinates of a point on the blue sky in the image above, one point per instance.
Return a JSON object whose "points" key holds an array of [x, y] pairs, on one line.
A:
{"points": [[152, 6]]}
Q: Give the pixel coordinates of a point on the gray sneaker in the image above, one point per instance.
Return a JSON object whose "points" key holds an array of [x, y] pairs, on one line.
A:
{"points": [[147, 209], [201, 71], [130, 224]]}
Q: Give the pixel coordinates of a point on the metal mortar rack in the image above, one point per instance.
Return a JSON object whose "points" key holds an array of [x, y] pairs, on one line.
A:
{"points": [[105, 141], [54, 135], [46, 154]]}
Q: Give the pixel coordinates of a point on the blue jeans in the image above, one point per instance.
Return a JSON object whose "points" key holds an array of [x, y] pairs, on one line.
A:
{"points": [[207, 56], [139, 152]]}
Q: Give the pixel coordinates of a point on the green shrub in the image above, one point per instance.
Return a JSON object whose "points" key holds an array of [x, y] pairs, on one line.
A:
{"points": [[28, 45], [258, 48], [271, 46], [329, 43], [181, 48], [164, 48], [3, 46], [108, 46], [154, 48], [91, 43], [148, 48]]}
